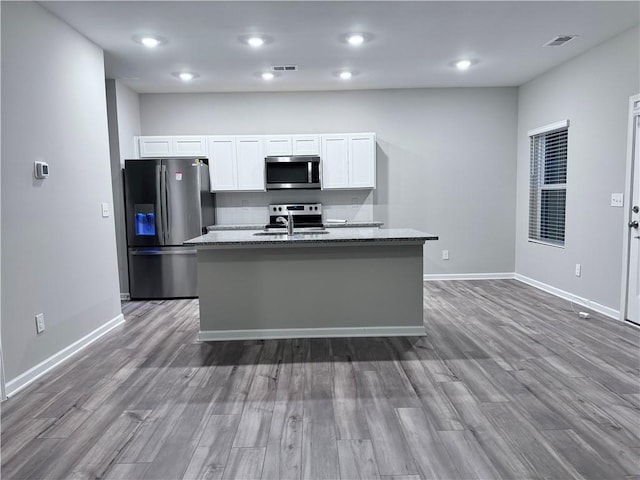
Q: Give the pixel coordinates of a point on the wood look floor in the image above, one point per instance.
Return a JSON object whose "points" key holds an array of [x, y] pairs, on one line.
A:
{"points": [[508, 383]]}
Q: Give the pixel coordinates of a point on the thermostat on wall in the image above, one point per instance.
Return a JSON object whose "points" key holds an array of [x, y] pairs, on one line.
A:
{"points": [[41, 170]]}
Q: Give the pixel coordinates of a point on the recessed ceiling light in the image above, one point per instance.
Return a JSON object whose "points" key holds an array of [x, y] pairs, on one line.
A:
{"points": [[268, 76], [185, 76], [463, 64], [345, 74], [255, 41], [355, 39], [150, 41]]}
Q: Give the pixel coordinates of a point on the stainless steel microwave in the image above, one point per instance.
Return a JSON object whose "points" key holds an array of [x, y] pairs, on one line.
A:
{"points": [[291, 172]]}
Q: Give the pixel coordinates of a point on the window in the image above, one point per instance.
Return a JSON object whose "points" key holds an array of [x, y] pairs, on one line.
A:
{"points": [[548, 183]]}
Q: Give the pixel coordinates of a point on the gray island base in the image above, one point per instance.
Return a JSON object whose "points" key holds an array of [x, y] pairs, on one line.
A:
{"points": [[361, 283]]}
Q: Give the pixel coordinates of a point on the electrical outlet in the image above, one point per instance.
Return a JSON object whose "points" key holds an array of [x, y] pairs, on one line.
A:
{"points": [[39, 323], [617, 200], [578, 269], [105, 209], [445, 254], [245, 205]]}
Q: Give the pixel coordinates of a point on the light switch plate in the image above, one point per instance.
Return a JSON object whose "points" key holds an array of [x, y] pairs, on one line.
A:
{"points": [[617, 200], [39, 323], [105, 209]]}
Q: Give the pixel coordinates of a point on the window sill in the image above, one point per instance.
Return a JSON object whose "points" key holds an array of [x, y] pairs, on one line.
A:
{"points": [[549, 244]]}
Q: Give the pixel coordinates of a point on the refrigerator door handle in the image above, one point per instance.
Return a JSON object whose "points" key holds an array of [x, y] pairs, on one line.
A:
{"points": [[166, 202], [163, 199], [159, 208]]}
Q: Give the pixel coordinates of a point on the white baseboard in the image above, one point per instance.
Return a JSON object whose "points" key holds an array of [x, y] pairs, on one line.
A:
{"points": [[596, 307], [125, 297], [276, 333], [469, 276], [14, 386]]}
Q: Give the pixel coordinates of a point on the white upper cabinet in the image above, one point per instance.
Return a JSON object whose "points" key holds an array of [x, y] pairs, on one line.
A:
{"points": [[155, 147], [189, 146], [250, 159], [306, 144], [335, 161], [223, 169], [278, 145], [172, 146], [362, 160], [236, 163], [349, 161], [282, 145]]}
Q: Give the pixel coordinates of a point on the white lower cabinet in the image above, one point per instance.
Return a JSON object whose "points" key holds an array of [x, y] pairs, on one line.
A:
{"points": [[348, 161], [236, 163]]}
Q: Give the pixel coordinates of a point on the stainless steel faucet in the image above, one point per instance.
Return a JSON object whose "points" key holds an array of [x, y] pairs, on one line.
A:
{"points": [[288, 222]]}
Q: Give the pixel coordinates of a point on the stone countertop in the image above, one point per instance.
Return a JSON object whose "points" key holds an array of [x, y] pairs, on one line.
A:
{"points": [[215, 228], [248, 238]]}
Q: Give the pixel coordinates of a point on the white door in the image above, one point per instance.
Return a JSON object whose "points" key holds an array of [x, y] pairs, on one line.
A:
{"points": [[154, 147], [362, 164], [633, 292], [250, 159], [306, 145], [335, 161], [278, 145], [222, 164], [189, 146]]}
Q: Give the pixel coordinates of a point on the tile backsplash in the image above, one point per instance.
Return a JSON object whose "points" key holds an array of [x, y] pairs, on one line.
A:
{"points": [[237, 208]]}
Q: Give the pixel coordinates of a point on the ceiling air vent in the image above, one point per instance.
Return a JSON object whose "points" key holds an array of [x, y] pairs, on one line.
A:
{"points": [[559, 40], [284, 68]]}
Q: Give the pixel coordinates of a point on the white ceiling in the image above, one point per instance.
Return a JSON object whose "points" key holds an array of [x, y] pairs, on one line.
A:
{"points": [[412, 44]]}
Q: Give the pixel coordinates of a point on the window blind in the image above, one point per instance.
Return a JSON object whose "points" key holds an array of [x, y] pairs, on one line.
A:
{"points": [[548, 184]]}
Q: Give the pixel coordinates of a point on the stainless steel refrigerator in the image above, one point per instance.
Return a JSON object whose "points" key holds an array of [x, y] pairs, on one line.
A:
{"points": [[167, 202]]}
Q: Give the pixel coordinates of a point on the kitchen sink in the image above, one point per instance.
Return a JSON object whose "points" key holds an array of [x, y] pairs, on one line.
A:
{"points": [[301, 231]]}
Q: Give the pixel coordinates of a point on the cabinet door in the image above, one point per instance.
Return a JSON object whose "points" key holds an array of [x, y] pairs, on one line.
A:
{"points": [[250, 161], [190, 146], [306, 145], [222, 164], [362, 161], [335, 161], [155, 147], [278, 145]]}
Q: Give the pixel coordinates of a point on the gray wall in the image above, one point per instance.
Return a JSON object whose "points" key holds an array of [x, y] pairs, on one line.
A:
{"points": [[123, 108], [446, 157], [593, 92], [58, 253]]}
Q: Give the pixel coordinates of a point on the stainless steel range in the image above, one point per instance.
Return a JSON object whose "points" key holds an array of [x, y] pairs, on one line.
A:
{"points": [[304, 215]]}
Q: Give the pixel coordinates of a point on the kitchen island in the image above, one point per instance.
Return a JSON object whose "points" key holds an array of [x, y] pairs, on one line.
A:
{"points": [[339, 282]]}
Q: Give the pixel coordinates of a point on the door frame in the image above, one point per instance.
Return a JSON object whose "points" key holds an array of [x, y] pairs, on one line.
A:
{"points": [[634, 111]]}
